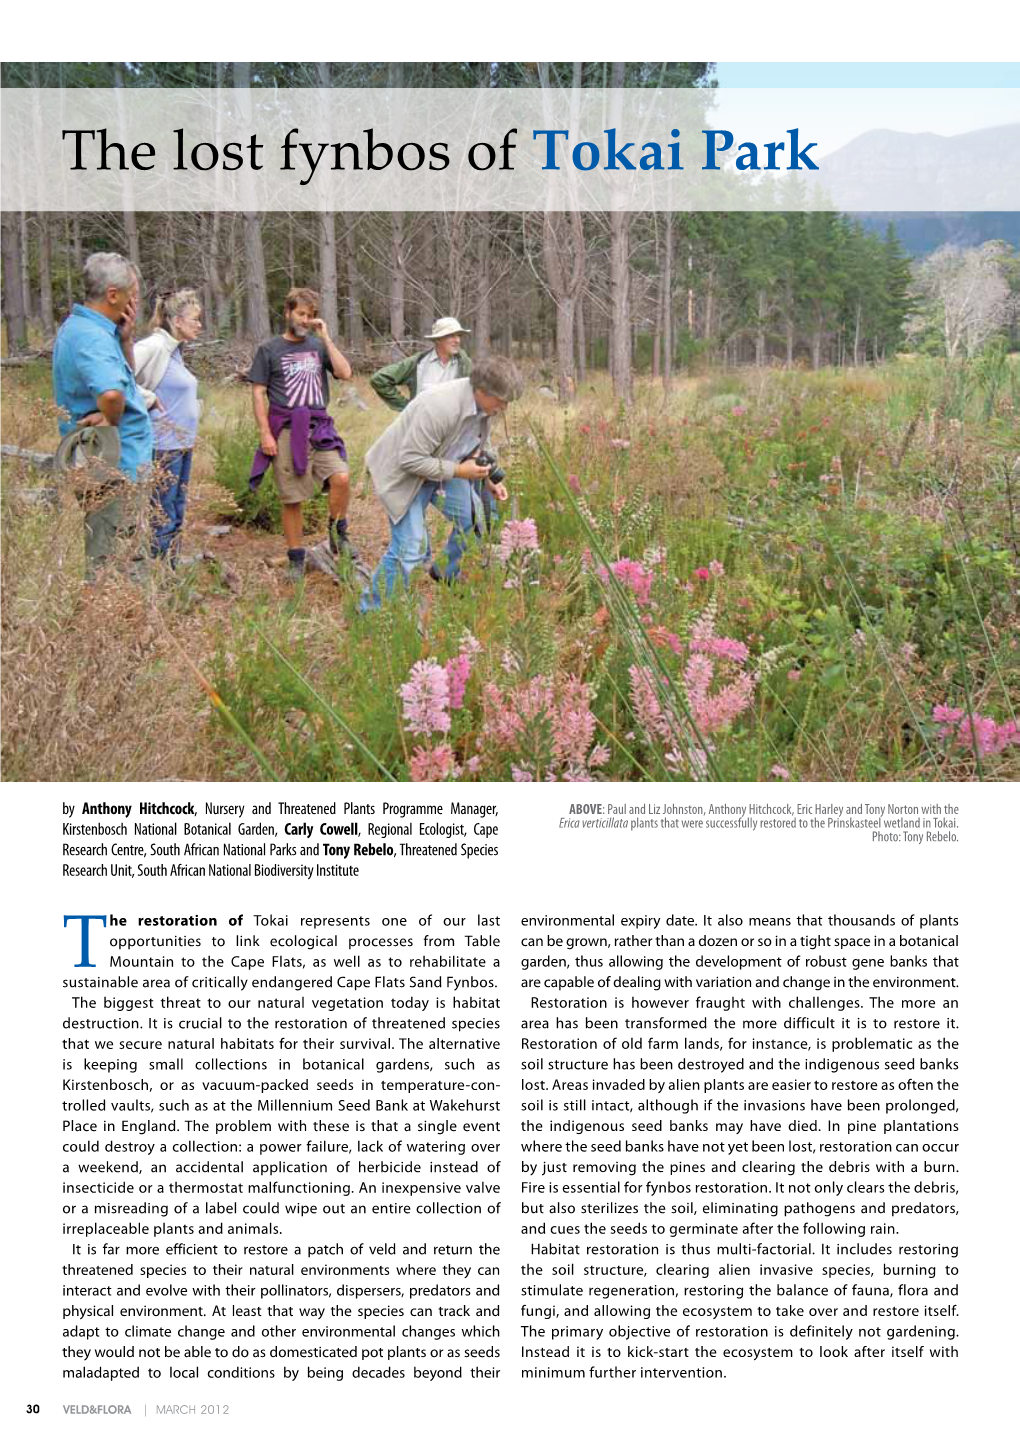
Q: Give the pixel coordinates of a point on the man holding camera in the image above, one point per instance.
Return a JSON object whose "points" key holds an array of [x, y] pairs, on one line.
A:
{"points": [[432, 454]]}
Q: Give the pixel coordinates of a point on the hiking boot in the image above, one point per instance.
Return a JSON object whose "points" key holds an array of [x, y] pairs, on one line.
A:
{"points": [[296, 565], [340, 544]]}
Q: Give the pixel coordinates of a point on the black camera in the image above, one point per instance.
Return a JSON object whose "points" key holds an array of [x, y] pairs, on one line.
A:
{"points": [[496, 474]]}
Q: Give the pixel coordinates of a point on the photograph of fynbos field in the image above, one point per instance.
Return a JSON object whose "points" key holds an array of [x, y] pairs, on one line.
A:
{"points": [[481, 496]]}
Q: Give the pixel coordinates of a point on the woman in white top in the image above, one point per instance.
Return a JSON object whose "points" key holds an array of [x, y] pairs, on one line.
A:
{"points": [[174, 409]]}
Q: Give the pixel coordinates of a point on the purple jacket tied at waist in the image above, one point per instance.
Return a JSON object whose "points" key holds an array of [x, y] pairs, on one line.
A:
{"points": [[310, 429]]}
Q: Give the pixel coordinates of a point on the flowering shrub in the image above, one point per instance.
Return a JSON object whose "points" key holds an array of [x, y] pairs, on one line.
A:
{"points": [[429, 695], [518, 546], [426, 698], [979, 734], [634, 576], [543, 728], [433, 763], [710, 659], [518, 538]]}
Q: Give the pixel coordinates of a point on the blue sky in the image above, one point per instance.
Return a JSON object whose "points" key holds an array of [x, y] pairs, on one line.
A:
{"points": [[834, 101], [787, 75]]}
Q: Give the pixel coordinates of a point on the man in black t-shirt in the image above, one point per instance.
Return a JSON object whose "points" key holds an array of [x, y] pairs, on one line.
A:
{"points": [[290, 392]]}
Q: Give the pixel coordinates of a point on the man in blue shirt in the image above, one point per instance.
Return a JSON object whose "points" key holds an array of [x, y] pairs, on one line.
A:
{"points": [[94, 383]]}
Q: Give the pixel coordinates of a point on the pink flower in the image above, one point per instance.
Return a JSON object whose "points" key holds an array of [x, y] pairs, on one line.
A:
{"points": [[980, 734], [698, 675], [780, 773], [426, 698], [544, 727], [432, 763], [573, 725], [634, 576], [661, 637], [518, 537], [599, 756], [738, 411], [473, 765], [793, 674], [723, 646], [717, 568], [574, 484], [620, 444], [702, 574], [722, 707], [654, 719], [457, 672]]}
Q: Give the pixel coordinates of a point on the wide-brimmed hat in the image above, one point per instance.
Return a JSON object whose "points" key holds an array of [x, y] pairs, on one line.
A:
{"points": [[97, 444], [447, 325], [90, 456]]}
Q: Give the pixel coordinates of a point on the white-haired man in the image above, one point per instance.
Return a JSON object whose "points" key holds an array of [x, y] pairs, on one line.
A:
{"points": [[444, 361]]}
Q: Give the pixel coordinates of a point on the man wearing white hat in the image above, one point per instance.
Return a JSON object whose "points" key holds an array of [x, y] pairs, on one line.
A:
{"points": [[445, 361]]}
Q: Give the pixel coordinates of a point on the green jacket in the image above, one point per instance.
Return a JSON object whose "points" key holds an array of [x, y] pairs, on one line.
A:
{"points": [[387, 382]]}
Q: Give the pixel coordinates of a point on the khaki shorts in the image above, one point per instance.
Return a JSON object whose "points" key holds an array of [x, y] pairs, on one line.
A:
{"points": [[321, 465]]}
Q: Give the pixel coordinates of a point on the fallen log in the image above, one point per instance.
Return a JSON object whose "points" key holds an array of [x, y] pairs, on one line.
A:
{"points": [[41, 460]]}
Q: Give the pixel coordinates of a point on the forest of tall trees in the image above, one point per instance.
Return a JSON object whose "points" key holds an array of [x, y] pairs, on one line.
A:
{"points": [[623, 291]]}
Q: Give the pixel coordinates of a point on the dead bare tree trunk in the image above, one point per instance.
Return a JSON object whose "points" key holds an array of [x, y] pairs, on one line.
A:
{"points": [[709, 321], [45, 274], [398, 255], [563, 267], [329, 307], [355, 320], [26, 283], [759, 335], [563, 263], [619, 284], [398, 279], [256, 295], [816, 343], [129, 218], [15, 319], [328, 303], [425, 270], [483, 310], [214, 277], [667, 304], [619, 273], [256, 292], [454, 302]]}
